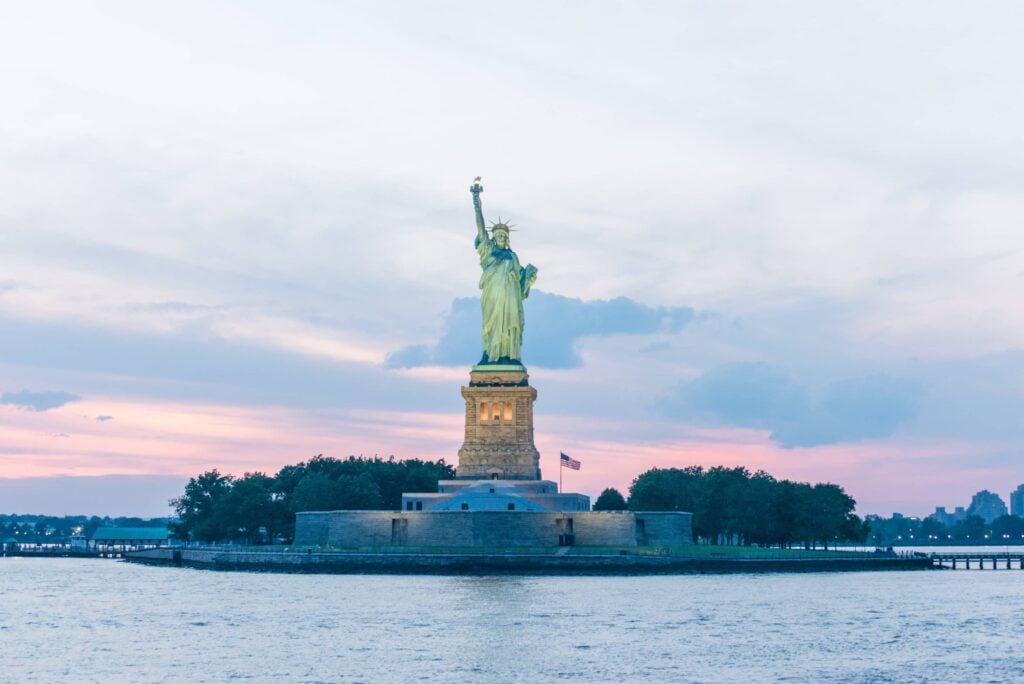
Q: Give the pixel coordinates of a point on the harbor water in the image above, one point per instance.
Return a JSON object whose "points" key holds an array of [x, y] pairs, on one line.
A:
{"points": [[88, 620]]}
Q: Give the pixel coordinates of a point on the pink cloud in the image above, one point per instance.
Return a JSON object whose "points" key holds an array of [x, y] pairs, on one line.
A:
{"points": [[183, 439]]}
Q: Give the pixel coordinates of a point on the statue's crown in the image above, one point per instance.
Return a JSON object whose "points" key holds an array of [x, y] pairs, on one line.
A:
{"points": [[501, 226]]}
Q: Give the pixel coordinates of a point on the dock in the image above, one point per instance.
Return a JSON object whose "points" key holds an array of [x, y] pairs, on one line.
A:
{"points": [[61, 553], [960, 560]]}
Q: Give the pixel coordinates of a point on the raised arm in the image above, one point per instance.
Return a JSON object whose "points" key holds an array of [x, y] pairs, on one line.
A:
{"points": [[481, 230]]}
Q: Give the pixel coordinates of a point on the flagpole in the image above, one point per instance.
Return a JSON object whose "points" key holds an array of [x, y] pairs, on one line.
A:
{"points": [[560, 469]]}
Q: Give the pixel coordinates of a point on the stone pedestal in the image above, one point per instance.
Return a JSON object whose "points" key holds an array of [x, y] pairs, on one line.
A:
{"points": [[499, 425]]}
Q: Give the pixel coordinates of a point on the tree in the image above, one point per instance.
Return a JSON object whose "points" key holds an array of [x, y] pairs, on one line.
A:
{"points": [[718, 517], [391, 477], [932, 530], [786, 522], [829, 507], [667, 489], [755, 521], [731, 506], [250, 512], [360, 493], [316, 492], [971, 530], [257, 507], [610, 500], [200, 508], [1008, 528], [854, 529]]}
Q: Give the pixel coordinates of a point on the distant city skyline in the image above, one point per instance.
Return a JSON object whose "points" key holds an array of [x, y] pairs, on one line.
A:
{"points": [[766, 236], [985, 503]]}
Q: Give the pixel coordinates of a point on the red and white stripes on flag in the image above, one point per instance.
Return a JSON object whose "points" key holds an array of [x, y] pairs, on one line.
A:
{"points": [[569, 462]]}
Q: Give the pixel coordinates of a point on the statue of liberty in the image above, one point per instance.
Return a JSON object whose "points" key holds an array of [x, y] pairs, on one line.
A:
{"points": [[504, 285]]}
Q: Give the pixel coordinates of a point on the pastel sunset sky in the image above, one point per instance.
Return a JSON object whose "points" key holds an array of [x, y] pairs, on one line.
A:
{"points": [[780, 235]]}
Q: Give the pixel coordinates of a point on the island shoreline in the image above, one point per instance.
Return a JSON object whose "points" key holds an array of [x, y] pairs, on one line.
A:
{"points": [[338, 562]]}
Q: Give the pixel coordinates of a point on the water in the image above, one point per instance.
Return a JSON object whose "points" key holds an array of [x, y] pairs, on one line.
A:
{"points": [[106, 621]]}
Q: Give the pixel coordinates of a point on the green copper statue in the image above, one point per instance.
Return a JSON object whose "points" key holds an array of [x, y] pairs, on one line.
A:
{"points": [[504, 285]]}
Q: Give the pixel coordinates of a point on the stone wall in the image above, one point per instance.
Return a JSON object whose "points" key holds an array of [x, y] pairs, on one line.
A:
{"points": [[539, 563], [663, 529], [315, 527], [490, 529]]}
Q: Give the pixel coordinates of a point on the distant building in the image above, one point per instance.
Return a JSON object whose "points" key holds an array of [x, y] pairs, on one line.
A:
{"points": [[987, 505], [946, 518], [940, 515], [1017, 501]]}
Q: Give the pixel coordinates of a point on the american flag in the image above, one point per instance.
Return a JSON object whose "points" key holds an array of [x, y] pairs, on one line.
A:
{"points": [[569, 462]]}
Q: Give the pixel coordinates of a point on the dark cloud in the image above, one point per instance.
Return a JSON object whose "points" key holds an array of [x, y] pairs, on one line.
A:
{"points": [[37, 401], [852, 410], [762, 396], [553, 326], [755, 395]]}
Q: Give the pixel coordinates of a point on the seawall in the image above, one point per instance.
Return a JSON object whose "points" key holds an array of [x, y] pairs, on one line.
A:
{"points": [[491, 529], [310, 561]]}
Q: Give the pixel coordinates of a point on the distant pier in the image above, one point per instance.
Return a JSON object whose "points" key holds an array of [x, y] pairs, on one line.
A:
{"points": [[61, 553], [962, 560]]}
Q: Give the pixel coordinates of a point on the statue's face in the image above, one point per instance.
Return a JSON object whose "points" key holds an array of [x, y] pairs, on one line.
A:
{"points": [[501, 239]]}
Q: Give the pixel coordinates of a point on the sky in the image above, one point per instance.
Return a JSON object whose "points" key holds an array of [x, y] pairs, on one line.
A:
{"points": [[779, 235]]}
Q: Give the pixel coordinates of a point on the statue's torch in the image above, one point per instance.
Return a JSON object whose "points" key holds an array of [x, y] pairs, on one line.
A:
{"points": [[476, 188]]}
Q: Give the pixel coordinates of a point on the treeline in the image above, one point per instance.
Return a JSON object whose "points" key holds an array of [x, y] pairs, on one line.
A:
{"points": [[48, 529], [260, 508], [735, 506], [729, 505], [899, 530]]}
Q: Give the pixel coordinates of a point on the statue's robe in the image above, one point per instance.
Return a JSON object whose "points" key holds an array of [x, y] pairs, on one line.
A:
{"points": [[504, 284]]}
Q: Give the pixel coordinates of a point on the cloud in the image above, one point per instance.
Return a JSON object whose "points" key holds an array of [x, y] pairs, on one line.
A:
{"points": [[194, 365], [853, 410], [762, 396], [755, 395], [37, 401], [553, 326], [170, 307], [104, 419]]}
